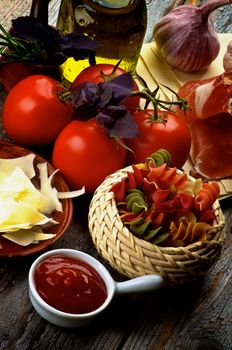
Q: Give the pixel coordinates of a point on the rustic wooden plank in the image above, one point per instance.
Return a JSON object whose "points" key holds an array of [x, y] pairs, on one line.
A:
{"points": [[196, 316], [13, 9]]}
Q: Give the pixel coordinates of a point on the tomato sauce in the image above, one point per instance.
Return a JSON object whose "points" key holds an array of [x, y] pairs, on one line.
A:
{"points": [[70, 285]]}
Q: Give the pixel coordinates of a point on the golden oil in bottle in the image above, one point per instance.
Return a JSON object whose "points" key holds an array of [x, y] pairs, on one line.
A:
{"points": [[119, 27]]}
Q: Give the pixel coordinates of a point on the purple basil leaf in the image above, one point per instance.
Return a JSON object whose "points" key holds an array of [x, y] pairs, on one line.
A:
{"points": [[105, 96], [105, 121], [77, 54], [84, 113], [124, 127], [102, 100], [79, 47], [29, 28], [121, 87], [56, 58], [85, 98], [118, 121], [76, 40], [85, 93], [58, 47]]}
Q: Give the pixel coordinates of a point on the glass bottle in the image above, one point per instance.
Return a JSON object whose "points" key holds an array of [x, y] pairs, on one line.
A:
{"points": [[39, 10], [119, 26]]}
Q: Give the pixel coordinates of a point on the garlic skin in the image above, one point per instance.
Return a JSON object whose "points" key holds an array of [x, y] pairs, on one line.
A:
{"points": [[227, 59], [185, 37]]}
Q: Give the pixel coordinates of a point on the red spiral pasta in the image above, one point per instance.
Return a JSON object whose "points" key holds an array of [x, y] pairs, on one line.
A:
{"points": [[165, 177], [206, 196]]}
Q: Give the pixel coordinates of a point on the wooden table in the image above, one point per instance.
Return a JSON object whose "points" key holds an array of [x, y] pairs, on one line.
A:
{"points": [[194, 316]]}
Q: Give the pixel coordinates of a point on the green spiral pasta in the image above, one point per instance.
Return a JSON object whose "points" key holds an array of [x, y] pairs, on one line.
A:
{"points": [[135, 201], [143, 228], [160, 157]]}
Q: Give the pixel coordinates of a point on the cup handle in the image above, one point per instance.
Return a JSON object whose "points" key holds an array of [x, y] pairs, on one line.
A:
{"points": [[139, 284]]}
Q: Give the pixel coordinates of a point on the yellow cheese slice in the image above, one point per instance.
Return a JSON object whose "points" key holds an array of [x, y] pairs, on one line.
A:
{"points": [[42, 236], [25, 163], [20, 188], [46, 188], [22, 205], [23, 239], [27, 237], [17, 215]]}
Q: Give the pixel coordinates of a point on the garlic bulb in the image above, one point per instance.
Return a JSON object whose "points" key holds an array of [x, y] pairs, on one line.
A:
{"points": [[227, 59], [185, 37]]}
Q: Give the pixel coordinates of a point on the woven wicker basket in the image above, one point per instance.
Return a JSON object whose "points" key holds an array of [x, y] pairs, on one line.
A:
{"points": [[132, 256]]}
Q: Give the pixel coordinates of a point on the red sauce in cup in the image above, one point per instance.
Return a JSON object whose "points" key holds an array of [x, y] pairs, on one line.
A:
{"points": [[70, 285]]}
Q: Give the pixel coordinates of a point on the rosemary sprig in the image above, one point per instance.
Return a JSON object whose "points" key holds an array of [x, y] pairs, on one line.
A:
{"points": [[14, 49]]}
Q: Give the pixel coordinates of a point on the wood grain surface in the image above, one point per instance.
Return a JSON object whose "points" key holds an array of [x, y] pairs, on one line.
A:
{"points": [[196, 316]]}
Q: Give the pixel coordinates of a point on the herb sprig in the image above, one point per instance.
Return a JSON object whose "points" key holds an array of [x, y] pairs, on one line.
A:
{"points": [[30, 41]]}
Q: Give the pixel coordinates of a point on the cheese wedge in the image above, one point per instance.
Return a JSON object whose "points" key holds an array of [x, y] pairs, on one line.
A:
{"points": [[27, 237], [24, 209], [25, 163], [19, 187]]}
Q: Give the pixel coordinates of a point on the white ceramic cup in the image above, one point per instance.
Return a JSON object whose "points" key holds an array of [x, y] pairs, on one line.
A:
{"points": [[63, 319]]}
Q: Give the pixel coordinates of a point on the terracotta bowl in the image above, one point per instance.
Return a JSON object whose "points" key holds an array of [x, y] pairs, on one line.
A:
{"points": [[11, 249]]}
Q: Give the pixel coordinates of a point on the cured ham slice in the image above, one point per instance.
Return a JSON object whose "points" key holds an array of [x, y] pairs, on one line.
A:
{"points": [[210, 124], [212, 146], [227, 59], [208, 97]]}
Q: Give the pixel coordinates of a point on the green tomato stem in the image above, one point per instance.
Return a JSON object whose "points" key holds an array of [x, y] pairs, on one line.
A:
{"points": [[150, 97]]}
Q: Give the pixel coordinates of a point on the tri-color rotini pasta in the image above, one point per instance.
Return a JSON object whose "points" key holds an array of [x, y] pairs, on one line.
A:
{"points": [[161, 205]]}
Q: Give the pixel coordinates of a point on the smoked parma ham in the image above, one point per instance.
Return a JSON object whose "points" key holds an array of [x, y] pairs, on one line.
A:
{"points": [[210, 123]]}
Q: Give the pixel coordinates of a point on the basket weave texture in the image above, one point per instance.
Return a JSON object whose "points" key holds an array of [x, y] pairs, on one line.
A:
{"points": [[132, 256]]}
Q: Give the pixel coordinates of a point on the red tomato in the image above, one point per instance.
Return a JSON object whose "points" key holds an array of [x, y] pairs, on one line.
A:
{"points": [[85, 154], [172, 135], [33, 114], [102, 72]]}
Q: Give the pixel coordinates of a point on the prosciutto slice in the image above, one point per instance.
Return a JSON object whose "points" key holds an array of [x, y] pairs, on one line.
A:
{"points": [[210, 124]]}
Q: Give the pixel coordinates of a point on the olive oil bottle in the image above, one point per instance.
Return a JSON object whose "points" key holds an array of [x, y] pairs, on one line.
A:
{"points": [[119, 26], [39, 10]]}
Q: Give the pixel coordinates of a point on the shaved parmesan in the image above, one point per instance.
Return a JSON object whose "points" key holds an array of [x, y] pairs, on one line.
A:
{"points": [[20, 188], [42, 236], [21, 237], [71, 194], [24, 208], [25, 163], [27, 237], [47, 189], [17, 215]]}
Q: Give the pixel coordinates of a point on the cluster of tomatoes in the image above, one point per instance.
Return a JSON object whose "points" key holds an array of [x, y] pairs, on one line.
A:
{"points": [[34, 114]]}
